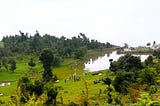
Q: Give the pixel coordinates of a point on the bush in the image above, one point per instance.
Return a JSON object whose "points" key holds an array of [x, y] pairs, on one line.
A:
{"points": [[147, 76], [123, 80]]}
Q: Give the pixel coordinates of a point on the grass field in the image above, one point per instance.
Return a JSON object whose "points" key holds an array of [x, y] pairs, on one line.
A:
{"points": [[76, 90], [69, 91]]}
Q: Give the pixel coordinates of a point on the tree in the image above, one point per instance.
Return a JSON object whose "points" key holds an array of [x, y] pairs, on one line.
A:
{"points": [[38, 87], [108, 82], [148, 44], [52, 94], [147, 76], [31, 63], [149, 60], [29, 89], [126, 45], [108, 45], [126, 63], [123, 80], [5, 62], [154, 42], [64, 47], [56, 60], [26, 88], [156, 53], [111, 64], [46, 58], [12, 63], [79, 53], [129, 62]]}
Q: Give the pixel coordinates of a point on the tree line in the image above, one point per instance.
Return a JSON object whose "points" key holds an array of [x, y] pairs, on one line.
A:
{"points": [[64, 47]]}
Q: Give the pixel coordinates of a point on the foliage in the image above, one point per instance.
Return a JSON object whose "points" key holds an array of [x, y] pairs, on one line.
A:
{"points": [[107, 81], [31, 63], [46, 58], [52, 94], [64, 47], [79, 53], [127, 63], [145, 100], [156, 53], [113, 66], [148, 44], [126, 45], [93, 89], [38, 87], [123, 80], [147, 76], [127, 71], [28, 89], [134, 94], [56, 60], [12, 63], [83, 100], [33, 100], [149, 60], [16, 99], [126, 68]]}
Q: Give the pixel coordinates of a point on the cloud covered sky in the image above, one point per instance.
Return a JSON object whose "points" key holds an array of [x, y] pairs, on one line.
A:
{"points": [[135, 22]]}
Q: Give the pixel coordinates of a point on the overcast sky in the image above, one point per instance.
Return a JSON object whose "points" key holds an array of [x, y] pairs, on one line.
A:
{"points": [[135, 22]]}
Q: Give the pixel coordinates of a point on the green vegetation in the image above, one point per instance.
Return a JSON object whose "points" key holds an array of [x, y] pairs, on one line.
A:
{"points": [[88, 89], [62, 47], [31, 65], [46, 58], [49, 72]]}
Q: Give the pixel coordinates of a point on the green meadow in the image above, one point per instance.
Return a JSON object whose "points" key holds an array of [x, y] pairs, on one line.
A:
{"points": [[69, 90], [89, 86]]}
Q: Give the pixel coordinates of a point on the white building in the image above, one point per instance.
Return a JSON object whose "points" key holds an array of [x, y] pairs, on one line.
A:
{"points": [[127, 49], [154, 47]]}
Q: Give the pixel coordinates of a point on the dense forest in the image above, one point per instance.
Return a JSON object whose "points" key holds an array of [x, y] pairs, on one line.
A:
{"points": [[63, 47]]}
